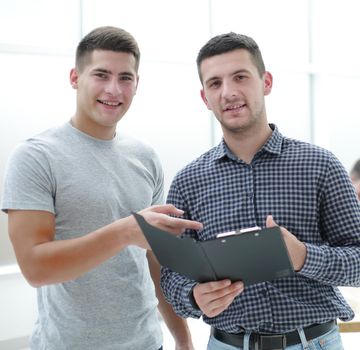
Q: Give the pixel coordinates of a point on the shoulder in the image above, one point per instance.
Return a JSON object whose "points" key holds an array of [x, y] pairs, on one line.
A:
{"points": [[37, 145], [199, 167], [307, 158], [306, 151], [134, 145], [134, 149]]}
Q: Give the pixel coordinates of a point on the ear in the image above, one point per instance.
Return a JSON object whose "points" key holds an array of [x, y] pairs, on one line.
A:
{"points": [[137, 83], [202, 93], [268, 81], [74, 76]]}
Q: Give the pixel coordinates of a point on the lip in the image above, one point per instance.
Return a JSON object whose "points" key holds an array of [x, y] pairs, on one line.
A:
{"points": [[234, 107], [109, 103]]}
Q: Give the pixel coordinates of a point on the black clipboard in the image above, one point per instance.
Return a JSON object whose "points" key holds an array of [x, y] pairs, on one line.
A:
{"points": [[253, 257]]}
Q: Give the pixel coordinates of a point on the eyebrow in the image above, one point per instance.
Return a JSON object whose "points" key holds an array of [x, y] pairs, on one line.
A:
{"points": [[234, 73]]}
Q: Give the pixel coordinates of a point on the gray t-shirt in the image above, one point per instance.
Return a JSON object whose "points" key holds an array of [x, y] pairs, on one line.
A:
{"points": [[88, 183]]}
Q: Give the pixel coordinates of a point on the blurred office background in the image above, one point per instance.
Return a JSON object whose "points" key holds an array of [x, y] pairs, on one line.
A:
{"points": [[310, 46]]}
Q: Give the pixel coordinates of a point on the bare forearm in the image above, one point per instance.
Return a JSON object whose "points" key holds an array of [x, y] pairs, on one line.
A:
{"points": [[44, 260], [63, 260], [177, 326]]}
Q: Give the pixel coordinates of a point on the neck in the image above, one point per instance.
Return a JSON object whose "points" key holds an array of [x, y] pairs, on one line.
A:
{"points": [[245, 143], [93, 129]]}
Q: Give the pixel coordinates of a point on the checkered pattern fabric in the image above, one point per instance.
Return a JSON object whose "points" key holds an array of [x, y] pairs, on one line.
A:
{"points": [[307, 191]]}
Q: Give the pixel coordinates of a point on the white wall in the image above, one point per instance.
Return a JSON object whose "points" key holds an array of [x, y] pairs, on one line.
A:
{"points": [[18, 311]]}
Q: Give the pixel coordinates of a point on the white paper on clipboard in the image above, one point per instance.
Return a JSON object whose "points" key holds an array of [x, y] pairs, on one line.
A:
{"points": [[238, 232]]}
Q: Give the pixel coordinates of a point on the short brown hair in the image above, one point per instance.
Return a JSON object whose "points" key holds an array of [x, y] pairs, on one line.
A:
{"points": [[355, 170], [229, 42], [106, 38]]}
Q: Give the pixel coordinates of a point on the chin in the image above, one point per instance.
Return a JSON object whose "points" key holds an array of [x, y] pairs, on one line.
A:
{"points": [[109, 121]]}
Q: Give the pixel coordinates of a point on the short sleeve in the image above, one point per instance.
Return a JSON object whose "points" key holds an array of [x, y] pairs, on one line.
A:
{"points": [[28, 184]]}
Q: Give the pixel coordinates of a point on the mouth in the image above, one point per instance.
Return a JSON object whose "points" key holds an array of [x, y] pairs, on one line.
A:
{"points": [[110, 103], [236, 107]]}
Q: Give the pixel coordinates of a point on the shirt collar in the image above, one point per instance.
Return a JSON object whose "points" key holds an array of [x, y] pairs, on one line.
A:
{"points": [[272, 145]]}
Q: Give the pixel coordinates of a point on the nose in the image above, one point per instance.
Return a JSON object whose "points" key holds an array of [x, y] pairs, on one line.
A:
{"points": [[113, 87], [229, 90]]}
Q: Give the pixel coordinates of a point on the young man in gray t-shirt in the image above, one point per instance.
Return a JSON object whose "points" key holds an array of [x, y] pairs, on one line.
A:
{"points": [[69, 193]]}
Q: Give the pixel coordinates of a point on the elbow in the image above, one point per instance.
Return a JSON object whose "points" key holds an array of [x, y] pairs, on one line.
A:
{"points": [[35, 281], [35, 278], [34, 284]]}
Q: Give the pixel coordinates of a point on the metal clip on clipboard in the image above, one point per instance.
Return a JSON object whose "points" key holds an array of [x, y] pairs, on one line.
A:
{"points": [[238, 232]]}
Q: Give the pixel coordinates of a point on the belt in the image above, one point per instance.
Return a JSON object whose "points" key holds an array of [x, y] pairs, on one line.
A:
{"points": [[268, 341]]}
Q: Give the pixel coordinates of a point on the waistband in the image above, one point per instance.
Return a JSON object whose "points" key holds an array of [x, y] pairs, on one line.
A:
{"points": [[267, 341]]}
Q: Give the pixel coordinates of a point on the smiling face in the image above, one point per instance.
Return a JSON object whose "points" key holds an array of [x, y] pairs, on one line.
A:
{"points": [[234, 91], [105, 89]]}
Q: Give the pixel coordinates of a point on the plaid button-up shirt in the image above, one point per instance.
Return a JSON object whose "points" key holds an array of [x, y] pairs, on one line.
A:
{"points": [[307, 191]]}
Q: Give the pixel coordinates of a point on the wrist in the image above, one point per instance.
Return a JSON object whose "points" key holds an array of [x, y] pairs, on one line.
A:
{"points": [[125, 231], [183, 339], [192, 299], [301, 257]]}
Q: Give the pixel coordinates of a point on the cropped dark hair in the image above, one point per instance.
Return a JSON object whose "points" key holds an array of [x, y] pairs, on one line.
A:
{"points": [[355, 170], [106, 38], [229, 42]]}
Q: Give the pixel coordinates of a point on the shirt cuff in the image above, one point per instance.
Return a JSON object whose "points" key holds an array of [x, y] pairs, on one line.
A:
{"points": [[192, 299], [314, 261], [189, 302]]}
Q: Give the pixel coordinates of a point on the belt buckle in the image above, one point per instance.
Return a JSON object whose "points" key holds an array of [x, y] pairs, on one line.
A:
{"points": [[271, 342]]}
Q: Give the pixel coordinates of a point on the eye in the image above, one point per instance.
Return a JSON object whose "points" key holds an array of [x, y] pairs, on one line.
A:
{"points": [[101, 75], [214, 84], [126, 78], [240, 77]]}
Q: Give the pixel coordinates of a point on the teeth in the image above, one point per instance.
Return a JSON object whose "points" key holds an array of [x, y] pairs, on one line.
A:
{"points": [[234, 107], [110, 103]]}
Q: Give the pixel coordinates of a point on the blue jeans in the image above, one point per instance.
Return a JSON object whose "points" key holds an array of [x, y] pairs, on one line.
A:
{"points": [[327, 341]]}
